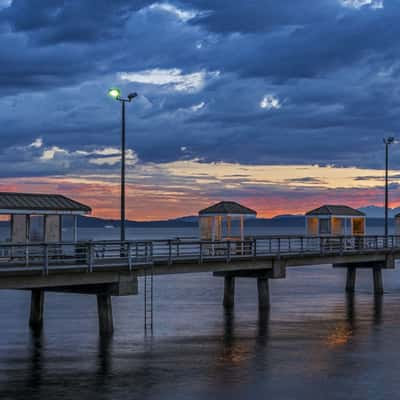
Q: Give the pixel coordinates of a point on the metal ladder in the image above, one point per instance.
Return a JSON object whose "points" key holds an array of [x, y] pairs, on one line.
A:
{"points": [[148, 300]]}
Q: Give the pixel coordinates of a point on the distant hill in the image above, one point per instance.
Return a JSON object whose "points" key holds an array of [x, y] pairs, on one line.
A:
{"points": [[188, 221], [296, 221], [374, 214], [93, 222], [379, 212]]}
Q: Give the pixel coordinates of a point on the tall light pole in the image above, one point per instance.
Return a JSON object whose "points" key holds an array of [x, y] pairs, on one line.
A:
{"points": [[387, 141], [116, 94]]}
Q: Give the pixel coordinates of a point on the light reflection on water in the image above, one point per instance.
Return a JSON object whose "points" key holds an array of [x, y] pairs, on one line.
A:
{"points": [[315, 342]]}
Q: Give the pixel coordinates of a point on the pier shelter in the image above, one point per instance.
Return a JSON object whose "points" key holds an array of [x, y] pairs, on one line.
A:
{"points": [[41, 217], [217, 222], [335, 220]]}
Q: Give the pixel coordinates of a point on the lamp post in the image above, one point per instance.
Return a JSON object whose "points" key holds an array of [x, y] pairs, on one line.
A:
{"points": [[387, 141], [116, 94]]}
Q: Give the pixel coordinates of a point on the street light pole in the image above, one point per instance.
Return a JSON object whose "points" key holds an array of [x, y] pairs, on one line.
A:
{"points": [[122, 223], [116, 94], [387, 141]]}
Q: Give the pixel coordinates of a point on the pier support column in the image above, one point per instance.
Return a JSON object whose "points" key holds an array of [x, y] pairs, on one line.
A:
{"points": [[36, 316], [378, 283], [263, 293], [229, 292], [104, 311], [351, 279]]}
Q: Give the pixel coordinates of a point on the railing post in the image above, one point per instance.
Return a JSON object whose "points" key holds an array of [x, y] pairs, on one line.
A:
{"points": [[254, 247], [129, 256], [46, 259], [149, 251], [341, 245], [302, 245], [26, 256], [201, 253], [169, 252], [122, 250], [279, 247], [90, 257], [270, 245], [228, 255]]}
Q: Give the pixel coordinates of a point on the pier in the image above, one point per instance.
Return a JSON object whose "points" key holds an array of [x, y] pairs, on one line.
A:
{"points": [[112, 268]]}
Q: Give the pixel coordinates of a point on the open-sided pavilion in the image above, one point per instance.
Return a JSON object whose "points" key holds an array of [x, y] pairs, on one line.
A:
{"points": [[37, 217], [335, 220]]}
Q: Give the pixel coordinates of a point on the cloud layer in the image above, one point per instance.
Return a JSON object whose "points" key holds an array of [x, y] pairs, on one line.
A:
{"points": [[259, 84]]}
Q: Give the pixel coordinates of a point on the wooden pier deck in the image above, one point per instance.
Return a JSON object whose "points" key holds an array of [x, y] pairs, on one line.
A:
{"points": [[112, 268]]}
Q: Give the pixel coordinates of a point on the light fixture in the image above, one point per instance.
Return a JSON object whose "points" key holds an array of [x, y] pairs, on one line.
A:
{"points": [[115, 93]]}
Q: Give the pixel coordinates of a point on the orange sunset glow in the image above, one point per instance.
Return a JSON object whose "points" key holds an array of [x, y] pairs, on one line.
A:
{"points": [[180, 188]]}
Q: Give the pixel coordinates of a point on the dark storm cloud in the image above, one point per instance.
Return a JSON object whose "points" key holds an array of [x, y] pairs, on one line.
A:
{"points": [[260, 16], [57, 21], [336, 39], [251, 81]]}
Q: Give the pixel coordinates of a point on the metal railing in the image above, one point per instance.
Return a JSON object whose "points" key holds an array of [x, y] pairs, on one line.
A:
{"points": [[88, 255], [95, 255]]}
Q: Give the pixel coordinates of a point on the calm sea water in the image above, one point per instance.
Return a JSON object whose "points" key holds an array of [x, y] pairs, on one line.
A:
{"points": [[315, 343]]}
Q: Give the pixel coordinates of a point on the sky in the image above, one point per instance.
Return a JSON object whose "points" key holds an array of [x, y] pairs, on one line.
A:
{"points": [[280, 105]]}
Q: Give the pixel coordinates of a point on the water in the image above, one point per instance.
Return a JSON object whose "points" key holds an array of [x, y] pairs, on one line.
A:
{"points": [[315, 343]]}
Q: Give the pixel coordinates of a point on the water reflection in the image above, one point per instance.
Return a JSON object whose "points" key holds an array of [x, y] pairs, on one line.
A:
{"points": [[350, 308], [232, 350], [366, 309], [104, 358], [35, 372], [340, 335], [378, 301], [239, 348], [208, 350], [360, 315], [263, 327], [229, 327]]}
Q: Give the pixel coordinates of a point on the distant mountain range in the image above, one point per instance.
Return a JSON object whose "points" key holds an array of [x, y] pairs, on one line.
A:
{"points": [[93, 222], [375, 218], [187, 221], [379, 212]]}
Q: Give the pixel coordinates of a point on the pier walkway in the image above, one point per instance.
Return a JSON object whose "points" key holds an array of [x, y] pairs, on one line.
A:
{"points": [[112, 268], [187, 256]]}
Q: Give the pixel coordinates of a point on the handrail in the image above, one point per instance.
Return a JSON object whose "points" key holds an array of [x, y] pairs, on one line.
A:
{"points": [[133, 253], [390, 239], [247, 239]]}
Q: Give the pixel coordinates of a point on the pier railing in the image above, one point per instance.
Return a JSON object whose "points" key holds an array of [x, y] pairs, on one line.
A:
{"points": [[95, 255]]}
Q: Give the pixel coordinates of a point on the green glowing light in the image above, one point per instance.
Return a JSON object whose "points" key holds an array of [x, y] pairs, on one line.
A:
{"points": [[115, 93]]}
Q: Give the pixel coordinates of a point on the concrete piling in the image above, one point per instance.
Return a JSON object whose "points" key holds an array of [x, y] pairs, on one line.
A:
{"points": [[263, 293], [104, 310], [351, 279], [36, 315], [375, 266], [229, 292], [378, 283]]}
